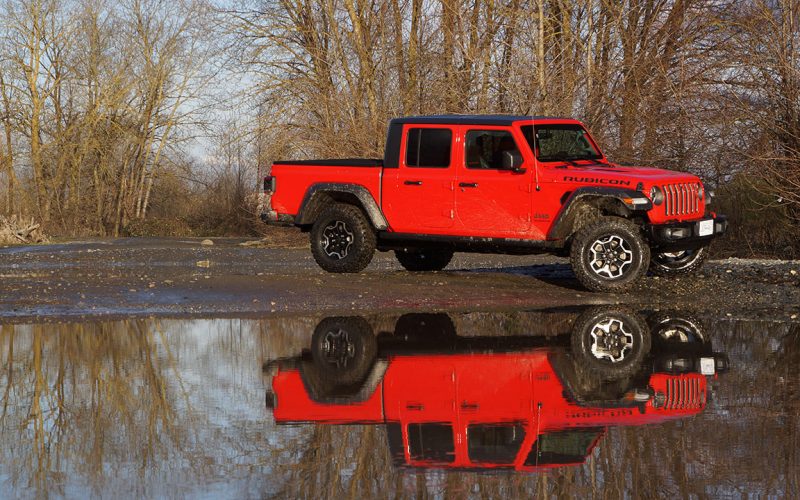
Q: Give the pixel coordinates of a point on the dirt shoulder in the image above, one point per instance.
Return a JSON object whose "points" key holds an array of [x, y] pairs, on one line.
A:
{"points": [[182, 278]]}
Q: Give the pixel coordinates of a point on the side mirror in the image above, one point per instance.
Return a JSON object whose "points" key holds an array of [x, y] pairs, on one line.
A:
{"points": [[512, 160]]}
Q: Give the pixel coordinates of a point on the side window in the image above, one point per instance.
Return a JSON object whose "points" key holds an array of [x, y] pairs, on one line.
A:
{"points": [[428, 147], [494, 443], [431, 442], [485, 148]]}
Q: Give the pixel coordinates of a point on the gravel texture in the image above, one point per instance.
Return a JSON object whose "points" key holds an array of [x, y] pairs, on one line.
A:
{"points": [[182, 277]]}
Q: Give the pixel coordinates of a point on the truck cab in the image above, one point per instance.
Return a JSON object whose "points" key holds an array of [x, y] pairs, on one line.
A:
{"points": [[496, 183]]}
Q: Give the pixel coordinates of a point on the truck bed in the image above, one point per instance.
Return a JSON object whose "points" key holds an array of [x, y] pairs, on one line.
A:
{"points": [[295, 177], [335, 162]]}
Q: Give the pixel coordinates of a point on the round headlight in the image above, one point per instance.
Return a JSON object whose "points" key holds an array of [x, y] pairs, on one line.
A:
{"points": [[656, 195], [700, 190]]}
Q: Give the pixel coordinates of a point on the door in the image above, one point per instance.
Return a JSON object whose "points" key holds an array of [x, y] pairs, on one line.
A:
{"points": [[494, 395], [419, 393], [421, 198], [492, 201]]}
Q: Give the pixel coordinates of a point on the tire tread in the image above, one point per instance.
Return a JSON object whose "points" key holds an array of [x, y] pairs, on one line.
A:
{"points": [[363, 231], [585, 276]]}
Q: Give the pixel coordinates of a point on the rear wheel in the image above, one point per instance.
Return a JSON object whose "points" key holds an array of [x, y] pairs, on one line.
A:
{"points": [[343, 349], [342, 239], [424, 260], [669, 264], [609, 254], [425, 327]]}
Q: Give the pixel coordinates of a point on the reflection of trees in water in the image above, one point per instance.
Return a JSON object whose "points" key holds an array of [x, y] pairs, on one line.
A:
{"points": [[177, 405], [146, 406], [78, 394]]}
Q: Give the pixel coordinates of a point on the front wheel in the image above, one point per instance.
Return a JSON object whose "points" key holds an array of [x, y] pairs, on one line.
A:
{"points": [[609, 254], [424, 260], [611, 343], [669, 264], [342, 239]]}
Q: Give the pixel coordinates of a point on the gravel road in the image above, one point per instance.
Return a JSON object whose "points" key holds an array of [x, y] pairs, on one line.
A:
{"points": [[184, 278]]}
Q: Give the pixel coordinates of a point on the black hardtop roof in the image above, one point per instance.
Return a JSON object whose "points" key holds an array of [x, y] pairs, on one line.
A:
{"points": [[471, 119]]}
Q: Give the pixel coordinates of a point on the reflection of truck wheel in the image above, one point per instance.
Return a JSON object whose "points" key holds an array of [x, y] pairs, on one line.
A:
{"points": [[679, 332], [610, 342], [669, 264], [342, 239], [609, 254], [425, 326], [424, 260], [344, 348]]}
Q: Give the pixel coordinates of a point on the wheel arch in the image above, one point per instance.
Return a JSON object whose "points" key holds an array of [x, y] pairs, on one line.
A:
{"points": [[587, 203], [322, 195]]}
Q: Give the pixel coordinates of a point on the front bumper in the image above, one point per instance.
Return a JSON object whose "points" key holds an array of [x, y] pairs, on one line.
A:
{"points": [[686, 235], [677, 363], [273, 218]]}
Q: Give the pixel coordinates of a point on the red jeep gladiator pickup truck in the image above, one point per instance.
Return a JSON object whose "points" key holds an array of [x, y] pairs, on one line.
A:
{"points": [[519, 402], [501, 184]]}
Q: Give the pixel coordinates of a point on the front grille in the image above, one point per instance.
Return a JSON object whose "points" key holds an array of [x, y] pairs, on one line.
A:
{"points": [[685, 393], [681, 199]]}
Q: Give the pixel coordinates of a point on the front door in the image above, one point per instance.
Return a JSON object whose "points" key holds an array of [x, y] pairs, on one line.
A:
{"points": [[492, 201], [494, 396]]}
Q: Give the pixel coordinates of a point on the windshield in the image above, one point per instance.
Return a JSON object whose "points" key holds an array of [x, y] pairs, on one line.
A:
{"points": [[560, 143], [562, 447]]}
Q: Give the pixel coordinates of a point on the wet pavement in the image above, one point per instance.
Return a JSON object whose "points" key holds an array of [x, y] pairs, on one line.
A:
{"points": [[136, 277], [601, 401]]}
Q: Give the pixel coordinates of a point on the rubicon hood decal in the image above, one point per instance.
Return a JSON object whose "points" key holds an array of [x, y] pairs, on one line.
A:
{"points": [[596, 180]]}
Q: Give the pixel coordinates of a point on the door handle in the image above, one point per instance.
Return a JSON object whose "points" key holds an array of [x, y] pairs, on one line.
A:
{"points": [[415, 406], [466, 406], [412, 183], [468, 184]]}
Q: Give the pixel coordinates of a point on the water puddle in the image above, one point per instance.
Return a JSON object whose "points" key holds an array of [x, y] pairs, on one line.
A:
{"points": [[586, 402]]}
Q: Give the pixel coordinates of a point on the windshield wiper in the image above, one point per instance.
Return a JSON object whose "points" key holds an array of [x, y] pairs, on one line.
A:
{"points": [[584, 158], [572, 161]]}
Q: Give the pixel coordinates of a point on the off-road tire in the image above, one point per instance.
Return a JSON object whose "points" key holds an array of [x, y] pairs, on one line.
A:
{"points": [[424, 260], [678, 332], [425, 327], [343, 349], [355, 249], [662, 264], [589, 349], [609, 229]]}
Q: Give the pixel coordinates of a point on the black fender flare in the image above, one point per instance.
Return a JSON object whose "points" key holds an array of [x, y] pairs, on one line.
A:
{"points": [[563, 224], [319, 194]]}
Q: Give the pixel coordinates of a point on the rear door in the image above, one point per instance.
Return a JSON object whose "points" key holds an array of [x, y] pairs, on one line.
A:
{"points": [[492, 201], [419, 392], [420, 196]]}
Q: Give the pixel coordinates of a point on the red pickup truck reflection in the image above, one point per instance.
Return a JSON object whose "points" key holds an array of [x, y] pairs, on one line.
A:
{"points": [[523, 408]]}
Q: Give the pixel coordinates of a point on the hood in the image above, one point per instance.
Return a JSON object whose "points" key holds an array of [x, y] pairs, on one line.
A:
{"points": [[647, 175]]}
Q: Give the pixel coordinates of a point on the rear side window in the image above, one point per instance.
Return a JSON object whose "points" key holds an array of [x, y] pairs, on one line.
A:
{"points": [[428, 147], [431, 442], [485, 148]]}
